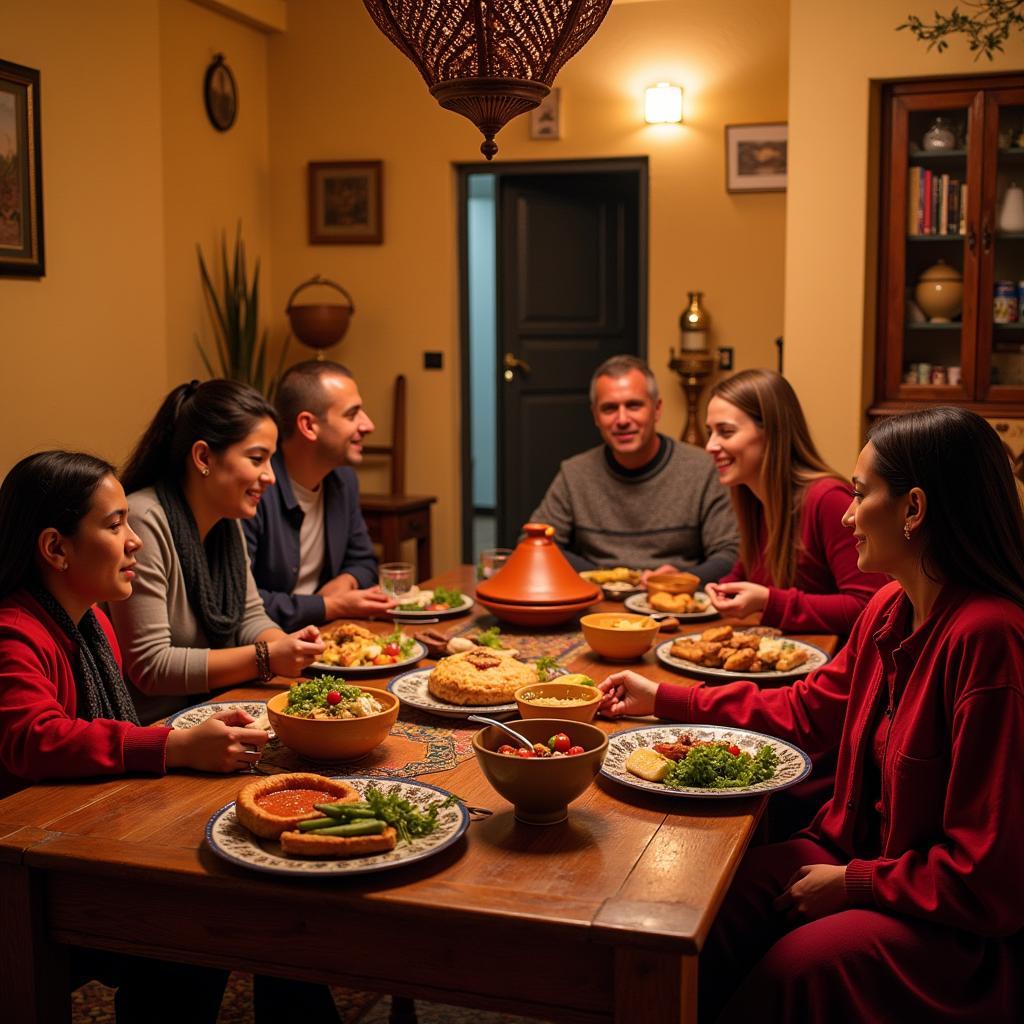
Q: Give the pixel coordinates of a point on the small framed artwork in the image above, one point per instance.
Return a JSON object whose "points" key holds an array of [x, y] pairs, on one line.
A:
{"points": [[220, 94], [345, 201], [545, 119], [21, 173], [756, 157]]}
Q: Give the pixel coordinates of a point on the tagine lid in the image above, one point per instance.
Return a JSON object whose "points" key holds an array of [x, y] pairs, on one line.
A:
{"points": [[537, 573]]}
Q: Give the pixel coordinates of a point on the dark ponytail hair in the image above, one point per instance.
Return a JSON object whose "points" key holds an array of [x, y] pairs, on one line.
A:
{"points": [[974, 526], [219, 412], [52, 488]]}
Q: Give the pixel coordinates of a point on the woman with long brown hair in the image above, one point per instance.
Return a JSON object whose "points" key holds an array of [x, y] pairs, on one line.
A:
{"points": [[898, 901], [797, 565]]}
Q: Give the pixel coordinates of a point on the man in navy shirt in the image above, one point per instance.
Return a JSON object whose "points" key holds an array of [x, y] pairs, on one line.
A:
{"points": [[310, 550]]}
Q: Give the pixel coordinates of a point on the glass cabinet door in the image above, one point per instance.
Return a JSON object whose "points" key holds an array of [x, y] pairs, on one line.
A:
{"points": [[935, 175], [1000, 324]]}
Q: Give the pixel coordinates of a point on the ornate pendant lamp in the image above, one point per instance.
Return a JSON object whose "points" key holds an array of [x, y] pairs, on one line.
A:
{"points": [[488, 60]]}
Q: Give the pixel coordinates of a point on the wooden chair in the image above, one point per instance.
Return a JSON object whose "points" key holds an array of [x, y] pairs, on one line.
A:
{"points": [[395, 517]]}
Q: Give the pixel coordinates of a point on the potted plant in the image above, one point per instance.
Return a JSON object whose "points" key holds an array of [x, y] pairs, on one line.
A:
{"points": [[240, 347]]}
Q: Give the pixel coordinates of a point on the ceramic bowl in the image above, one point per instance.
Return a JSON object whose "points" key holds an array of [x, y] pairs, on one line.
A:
{"points": [[536, 614], [672, 583], [589, 697], [333, 739], [618, 644], [540, 789]]}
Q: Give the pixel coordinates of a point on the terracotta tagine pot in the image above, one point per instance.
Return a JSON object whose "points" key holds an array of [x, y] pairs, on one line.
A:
{"points": [[537, 573], [940, 292]]}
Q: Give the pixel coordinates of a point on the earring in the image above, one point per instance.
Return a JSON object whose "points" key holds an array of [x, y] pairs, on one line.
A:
{"points": [[63, 566], [204, 471], [906, 531]]}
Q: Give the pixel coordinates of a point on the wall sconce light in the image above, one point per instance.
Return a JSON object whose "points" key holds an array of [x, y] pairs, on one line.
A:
{"points": [[663, 104]]}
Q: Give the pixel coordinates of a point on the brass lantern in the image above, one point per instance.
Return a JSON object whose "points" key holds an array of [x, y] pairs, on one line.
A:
{"points": [[488, 60]]}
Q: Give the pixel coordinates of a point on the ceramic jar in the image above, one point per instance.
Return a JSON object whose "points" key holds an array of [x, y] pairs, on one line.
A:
{"points": [[940, 292]]}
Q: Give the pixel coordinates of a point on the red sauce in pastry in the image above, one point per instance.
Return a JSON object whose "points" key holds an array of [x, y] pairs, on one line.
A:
{"points": [[289, 802]]}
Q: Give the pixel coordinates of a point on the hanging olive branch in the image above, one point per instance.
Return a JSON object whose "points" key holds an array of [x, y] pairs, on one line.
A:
{"points": [[986, 24]]}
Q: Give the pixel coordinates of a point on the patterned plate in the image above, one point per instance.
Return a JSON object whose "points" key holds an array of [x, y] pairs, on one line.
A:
{"points": [[411, 688], [639, 603], [320, 668], [234, 842], [816, 658], [793, 765], [193, 716], [449, 613]]}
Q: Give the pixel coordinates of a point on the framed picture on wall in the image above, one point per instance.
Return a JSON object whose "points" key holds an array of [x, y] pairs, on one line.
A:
{"points": [[345, 203], [756, 157], [21, 173]]}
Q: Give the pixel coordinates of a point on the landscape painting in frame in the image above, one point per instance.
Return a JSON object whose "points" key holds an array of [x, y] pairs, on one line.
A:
{"points": [[21, 179], [345, 203], [756, 157]]}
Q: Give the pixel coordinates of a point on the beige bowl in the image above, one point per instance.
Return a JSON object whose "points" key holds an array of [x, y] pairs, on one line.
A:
{"points": [[541, 789], [587, 699], [940, 292], [672, 583], [333, 739], [618, 644]]}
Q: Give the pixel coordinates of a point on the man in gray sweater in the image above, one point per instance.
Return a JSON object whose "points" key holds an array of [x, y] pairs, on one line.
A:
{"points": [[641, 499]]}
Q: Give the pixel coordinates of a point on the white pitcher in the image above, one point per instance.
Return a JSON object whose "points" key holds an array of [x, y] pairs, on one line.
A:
{"points": [[1011, 213]]}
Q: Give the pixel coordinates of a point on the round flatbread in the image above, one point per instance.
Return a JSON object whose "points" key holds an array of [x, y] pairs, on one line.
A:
{"points": [[480, 676]]}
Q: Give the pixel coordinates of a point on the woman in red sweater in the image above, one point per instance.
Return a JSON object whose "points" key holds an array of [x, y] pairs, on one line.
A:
{"points": [[903, 898], [65, 546], [797, 565]]}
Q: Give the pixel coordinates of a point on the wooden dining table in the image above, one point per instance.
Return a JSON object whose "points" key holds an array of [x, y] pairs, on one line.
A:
{"points": [[599, 918]]}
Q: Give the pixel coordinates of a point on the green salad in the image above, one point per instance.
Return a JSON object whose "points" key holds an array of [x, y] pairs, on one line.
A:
{"points": [[714, 767], [437, 600], [329, 697]]}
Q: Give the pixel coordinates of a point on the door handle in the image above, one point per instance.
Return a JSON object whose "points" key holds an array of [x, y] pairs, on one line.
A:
{"points": [[512, 364]]}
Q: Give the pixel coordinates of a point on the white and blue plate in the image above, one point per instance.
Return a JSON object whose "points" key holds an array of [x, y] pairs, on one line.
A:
{"points": [[816, 657], [199, 713], [412, 690]]}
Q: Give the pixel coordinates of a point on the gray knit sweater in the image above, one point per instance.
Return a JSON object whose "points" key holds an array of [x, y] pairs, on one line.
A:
{"points": [[164, 648], [673, 511]]}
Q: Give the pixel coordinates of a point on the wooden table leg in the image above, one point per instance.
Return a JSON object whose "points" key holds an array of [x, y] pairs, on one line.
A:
{"points": [[657, 988], [34, 978]]}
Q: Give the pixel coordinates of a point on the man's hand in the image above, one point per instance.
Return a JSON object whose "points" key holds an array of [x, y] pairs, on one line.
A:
{"points": [[648, 573], [339, 585], [816, 890], [357, 604]]}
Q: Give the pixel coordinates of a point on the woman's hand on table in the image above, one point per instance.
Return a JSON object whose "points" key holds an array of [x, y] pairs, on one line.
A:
{"points": [[737, 600], [357, 604], [816, 890], [627, 693], [290, 654], [223, 743]]}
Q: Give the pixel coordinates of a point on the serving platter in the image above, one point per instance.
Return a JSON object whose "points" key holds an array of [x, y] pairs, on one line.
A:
{"points": [[793, 764], [446, 613], [229, 839], [411, 689], [189, 718], [816, 658], [639, 603], [320, 668]]}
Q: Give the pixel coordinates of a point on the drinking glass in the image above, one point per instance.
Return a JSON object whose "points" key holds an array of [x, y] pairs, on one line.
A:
{"points": [[396, 578], [491, 560]]}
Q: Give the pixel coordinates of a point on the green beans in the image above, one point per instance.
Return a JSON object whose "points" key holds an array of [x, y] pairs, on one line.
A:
{"points": [[314, 824], [370, 827], [346, 812]]}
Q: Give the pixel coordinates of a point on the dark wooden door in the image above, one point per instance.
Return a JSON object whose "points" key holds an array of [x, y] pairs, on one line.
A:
{"points": [[571, 292]]}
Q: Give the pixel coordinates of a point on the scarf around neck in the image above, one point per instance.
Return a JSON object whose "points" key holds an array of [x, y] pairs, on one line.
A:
{"points": [[98, 681], [214, 572]]}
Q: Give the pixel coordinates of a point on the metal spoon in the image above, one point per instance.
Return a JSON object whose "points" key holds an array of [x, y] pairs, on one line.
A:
{"points": [[518, 737]]}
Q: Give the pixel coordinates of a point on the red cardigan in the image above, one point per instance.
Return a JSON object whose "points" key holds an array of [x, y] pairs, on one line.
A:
{"points": [[952, 788], [40, 737], [830, 591]]}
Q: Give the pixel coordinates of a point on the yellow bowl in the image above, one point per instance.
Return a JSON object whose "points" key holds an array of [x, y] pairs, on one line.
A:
{"points": [[333, 739], [589, 696], [541, 788], [619, 644], [672, 583]]}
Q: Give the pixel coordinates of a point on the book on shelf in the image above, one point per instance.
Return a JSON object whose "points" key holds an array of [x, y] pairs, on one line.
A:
{"points": [[936, 203]]}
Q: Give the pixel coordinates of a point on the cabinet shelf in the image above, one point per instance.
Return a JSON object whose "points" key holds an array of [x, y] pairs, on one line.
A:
{"points": [[955, 326], [938, 238], [941, 154]]}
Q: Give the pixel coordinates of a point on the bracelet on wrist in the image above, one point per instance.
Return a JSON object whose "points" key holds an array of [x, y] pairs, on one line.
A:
{"points": [[263, 669]]}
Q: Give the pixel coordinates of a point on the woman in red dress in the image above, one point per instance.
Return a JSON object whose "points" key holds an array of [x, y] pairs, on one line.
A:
{"points": [[903, 898]]}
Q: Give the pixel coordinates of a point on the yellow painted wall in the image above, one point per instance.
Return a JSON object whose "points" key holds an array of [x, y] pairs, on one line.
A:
{"points": [[212, 179], [836, 52], [83, 348], [340, 90]]}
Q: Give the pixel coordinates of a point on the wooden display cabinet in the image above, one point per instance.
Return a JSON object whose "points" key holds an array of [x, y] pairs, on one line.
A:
{"points": [[959, 226]]}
